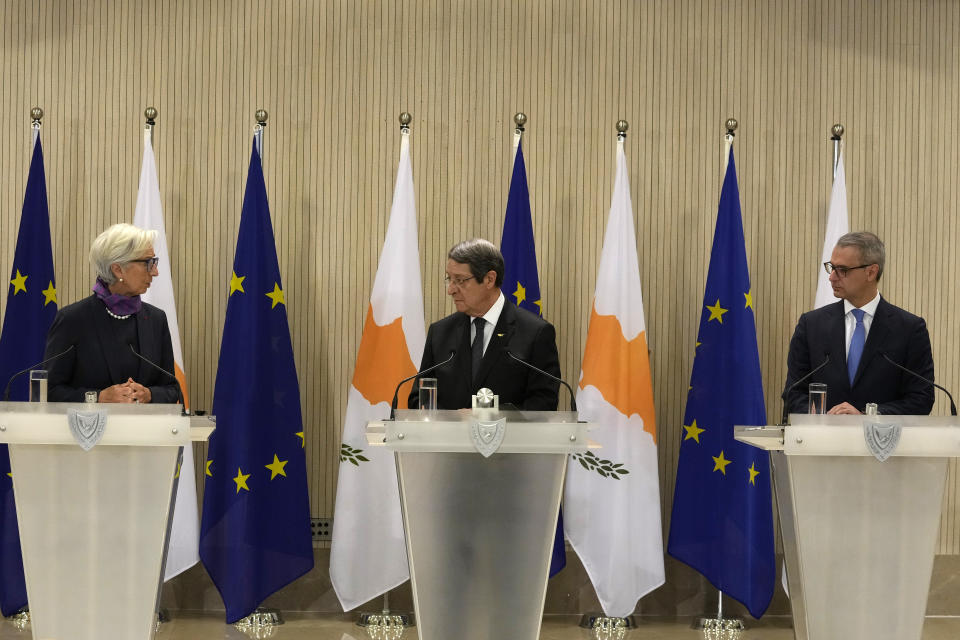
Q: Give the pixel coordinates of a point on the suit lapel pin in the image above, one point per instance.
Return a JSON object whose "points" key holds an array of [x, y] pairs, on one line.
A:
{"points": [[499, 335]]}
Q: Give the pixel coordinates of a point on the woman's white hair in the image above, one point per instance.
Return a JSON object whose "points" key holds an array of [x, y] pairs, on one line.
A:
{"points": [[120, 244]]}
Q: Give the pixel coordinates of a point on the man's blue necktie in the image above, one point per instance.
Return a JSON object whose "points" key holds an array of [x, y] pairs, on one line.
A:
{"points": [[856, 344]]}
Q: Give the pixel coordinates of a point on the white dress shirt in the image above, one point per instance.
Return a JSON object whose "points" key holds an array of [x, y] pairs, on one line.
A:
{"points": [[492, 316], [869, 310]]}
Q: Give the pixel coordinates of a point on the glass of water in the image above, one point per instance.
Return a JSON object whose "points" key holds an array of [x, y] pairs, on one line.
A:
{"points": [[818, 398], [428, 394], [38, 385]]}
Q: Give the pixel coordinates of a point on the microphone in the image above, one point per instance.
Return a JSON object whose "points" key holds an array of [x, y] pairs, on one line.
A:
{"points": [[6, 392], [393, 404], [953, 407], [573, 401], [183, 411], [783, 417]]}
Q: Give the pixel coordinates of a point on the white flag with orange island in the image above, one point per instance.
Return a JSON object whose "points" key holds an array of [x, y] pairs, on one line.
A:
{"points": [[612, 499], [185, 532], [368, 554]]}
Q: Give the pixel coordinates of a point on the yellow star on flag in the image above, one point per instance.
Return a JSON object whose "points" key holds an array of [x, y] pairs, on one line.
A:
{"points": [[49, 294], [693, 432], [206, 469], [241, 480], [753, 474], [276, 295], [236, 283], [539, 304], [303, 441], [177, 474], [720, 464], [749, 300], [276, 467], [19, 283], [520, 294], [716, 312]]}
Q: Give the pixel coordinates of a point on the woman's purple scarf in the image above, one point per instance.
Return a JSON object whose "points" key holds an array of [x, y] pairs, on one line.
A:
{"points": [[116, 303]]}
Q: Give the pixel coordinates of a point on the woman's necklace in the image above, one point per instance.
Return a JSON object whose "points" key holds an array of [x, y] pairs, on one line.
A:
{"points": [[113, 315]]}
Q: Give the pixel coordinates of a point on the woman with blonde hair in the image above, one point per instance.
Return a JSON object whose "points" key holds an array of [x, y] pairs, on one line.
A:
{"points": [[109, 328]]}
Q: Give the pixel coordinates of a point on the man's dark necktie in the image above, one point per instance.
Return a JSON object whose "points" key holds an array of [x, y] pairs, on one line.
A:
{"points": [[856, 344], [477, 347]]}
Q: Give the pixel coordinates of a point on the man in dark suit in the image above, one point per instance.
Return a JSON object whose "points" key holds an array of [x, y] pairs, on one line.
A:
{"points": [[485, 327], [858, 335]]}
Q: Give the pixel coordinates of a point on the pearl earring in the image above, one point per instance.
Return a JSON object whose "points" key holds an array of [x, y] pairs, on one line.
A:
{"points": [[121, 279]]}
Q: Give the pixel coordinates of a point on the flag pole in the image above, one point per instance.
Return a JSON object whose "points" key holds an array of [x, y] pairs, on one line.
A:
{"points": [[262, 618], [388, 622], [730, 626], [602, 624], [836, 135], [163, 614], [22, 617]]}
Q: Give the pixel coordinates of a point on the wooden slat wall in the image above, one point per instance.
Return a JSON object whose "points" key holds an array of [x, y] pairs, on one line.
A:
{"points": [[335, 74]]}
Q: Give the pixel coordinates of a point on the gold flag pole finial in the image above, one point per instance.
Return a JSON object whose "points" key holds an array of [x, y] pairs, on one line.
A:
{"points": [[36, 115], [622, 126], [150, 116], [405, 120], [836, 135], [520, 119], [261, 116]]}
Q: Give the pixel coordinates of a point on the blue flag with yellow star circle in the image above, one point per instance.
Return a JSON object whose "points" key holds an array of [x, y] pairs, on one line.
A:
{"points": [[521, 284], [255, 532], [722, 523], [31, 308]]}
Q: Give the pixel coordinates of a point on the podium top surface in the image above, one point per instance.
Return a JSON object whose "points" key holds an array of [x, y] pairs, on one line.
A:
{"points": [[113, 408], [127, 424], [826, 435], [415, 430], [513, 416]]}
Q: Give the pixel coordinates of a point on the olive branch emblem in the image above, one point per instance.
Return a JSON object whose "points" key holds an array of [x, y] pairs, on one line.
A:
{"points": [[349, 454], [605, 468]]}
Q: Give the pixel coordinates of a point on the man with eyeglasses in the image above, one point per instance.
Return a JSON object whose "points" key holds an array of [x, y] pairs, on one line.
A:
{"points": [[484, 328], [861, 335]]}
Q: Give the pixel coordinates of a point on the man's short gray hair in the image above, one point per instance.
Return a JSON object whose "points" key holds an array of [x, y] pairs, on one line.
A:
{"points": [[481, 256], [120, 244], [871, 248]]}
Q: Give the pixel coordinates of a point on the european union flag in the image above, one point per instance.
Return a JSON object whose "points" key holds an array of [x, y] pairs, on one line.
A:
{"points": [[31, 308], [255, 532], [521, 284], [722, 522]]}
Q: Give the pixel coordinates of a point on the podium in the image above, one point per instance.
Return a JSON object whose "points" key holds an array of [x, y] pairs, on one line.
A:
{"points": [[859, 535], [94, 524], [480, 530]]}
